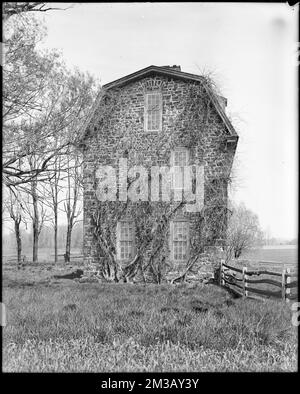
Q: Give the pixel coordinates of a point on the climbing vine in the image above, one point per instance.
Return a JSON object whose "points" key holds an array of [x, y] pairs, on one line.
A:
{"points": [[195, 126]]}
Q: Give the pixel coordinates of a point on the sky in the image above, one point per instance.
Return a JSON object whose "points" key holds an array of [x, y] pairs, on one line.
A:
{"points": [[251, 49]]}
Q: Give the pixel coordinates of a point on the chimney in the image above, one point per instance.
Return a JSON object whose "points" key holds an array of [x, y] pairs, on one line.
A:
{"points": [[174, 67]]}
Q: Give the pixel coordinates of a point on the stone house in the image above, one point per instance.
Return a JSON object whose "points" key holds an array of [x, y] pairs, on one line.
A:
{"points": [[155, 118]]}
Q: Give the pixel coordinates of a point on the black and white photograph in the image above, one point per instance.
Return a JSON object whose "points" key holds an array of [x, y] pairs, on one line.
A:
{"points": [[149, 190]]}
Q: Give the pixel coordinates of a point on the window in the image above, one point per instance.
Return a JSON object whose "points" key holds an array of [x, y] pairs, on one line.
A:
{"points": [[179, 159], [180, 240], [125, 240], [153, 112]]}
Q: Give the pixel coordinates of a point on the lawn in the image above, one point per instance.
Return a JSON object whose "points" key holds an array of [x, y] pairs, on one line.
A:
{"points": [[63, 326], [281, 254]]}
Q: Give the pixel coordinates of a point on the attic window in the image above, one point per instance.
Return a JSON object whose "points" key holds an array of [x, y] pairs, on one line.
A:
{"points": [[106, 99], [153, 111]]}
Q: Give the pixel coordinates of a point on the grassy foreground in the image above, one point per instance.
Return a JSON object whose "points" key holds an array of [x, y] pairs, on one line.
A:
{"points": [[66, 326]]}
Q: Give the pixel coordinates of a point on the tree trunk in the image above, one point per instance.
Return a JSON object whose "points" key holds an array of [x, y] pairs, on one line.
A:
{"points": [[19, 243], [237, 253], [35, 242], [68, 244], [55, 236], [35, 223]]}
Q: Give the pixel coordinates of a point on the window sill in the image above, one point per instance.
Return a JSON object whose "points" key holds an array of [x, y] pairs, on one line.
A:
{"points": [[124, 261], [179, 261], [152, 131]]}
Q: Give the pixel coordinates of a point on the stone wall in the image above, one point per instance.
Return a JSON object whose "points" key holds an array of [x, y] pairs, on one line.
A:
{"points": [[117, 131]]}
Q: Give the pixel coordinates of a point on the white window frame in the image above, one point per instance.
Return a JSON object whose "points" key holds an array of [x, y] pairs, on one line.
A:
{"points": [[175, 239], [178, 168], [146, 111], [128, 238]]}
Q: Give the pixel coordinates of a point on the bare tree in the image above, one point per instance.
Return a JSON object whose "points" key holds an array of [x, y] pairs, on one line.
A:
{"points": [[54, 191], [17, 8], [26, 74], [63, 169], [44, 105], [35, 207], [72, 203], [41, 101], [14, 208], [243, 232]]}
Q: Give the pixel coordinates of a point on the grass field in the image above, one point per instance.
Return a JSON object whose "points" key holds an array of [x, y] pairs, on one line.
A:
{"points": [[284, 254], [64, 325], [44, 255]]}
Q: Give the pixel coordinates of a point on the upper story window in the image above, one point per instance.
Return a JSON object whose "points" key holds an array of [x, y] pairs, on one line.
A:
{"points": [[125, 240], [153, 111], [180, 157], [179, 160]]}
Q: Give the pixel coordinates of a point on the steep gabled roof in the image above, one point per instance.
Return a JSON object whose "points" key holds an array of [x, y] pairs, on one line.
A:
{"points": [[166, 71], [151, 70]]}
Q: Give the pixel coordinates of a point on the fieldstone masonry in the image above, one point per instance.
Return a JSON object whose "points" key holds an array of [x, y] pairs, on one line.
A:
{"points": [[116, 130]]}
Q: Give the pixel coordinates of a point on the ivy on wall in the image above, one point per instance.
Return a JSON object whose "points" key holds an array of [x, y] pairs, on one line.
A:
{"points": [[196, 126]]}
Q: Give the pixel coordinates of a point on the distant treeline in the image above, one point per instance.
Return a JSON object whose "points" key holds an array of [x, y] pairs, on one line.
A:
{"points": [[46, 239], [278, 241]]}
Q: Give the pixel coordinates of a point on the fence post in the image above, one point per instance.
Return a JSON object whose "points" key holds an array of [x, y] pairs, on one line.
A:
{"points": [[288, 281], [283, 288], [245, 284]]}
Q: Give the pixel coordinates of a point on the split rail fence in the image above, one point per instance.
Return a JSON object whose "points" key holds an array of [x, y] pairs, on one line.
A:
{"points": [[12, 260], [243, 280]]}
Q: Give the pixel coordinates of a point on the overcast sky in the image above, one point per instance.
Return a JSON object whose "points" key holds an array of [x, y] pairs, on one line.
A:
{"points": [[251, 48]]}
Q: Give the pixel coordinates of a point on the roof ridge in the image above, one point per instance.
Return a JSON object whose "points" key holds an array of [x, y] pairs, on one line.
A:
{"points": [[162, 69]]}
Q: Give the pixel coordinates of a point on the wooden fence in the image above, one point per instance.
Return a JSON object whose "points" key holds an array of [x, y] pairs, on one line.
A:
{"points": [[72, 256], [244, 282], [13, 260]]}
